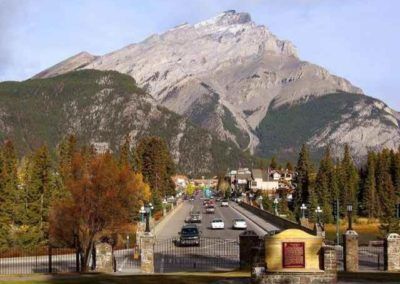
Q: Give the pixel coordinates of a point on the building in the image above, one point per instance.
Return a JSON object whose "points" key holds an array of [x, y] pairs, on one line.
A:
{"points": [[263, 180]]}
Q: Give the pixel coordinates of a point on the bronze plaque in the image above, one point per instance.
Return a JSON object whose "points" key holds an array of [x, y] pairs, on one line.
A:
{"points": [[293, 255]]}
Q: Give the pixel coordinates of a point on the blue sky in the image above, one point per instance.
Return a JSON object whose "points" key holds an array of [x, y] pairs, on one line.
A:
{"points": [[355, 39]]}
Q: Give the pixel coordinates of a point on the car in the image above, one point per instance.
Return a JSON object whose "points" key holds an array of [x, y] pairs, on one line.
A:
{"points": [[239, 224], [224, 203], [217, 223], [210, 209], [189, 235], [194, 217]]}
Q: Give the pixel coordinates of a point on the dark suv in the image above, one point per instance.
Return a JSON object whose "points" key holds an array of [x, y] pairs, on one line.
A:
{"points": [[189, 236]]}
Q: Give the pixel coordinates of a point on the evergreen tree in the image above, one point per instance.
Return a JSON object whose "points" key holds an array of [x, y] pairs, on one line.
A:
{"points": [[302, 180], [369, 197], [289, 166], [324, 185], [349, 182], [39, 191], [395, 171], [273, 164], [66, 150], [9, 191], [157, 167]]}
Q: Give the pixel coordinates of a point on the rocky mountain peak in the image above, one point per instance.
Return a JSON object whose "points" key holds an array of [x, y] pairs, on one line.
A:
{"points": [[230, 17]]}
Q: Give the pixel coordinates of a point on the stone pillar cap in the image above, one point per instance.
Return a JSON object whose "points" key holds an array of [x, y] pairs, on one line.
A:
{"points": [[351, 232], [393, 236]]}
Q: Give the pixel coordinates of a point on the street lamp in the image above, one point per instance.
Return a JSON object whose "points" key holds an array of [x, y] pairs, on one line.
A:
{"points": [[260, 203], [276, 201], [127, 241], [303, 209], [349, 213], [318, 211], [147, 214], [142, 212], [164, 203]]}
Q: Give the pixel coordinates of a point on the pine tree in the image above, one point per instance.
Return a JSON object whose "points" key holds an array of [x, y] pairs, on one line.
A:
{"points": [[370, 198], [302, 180], [39, 191], [273, 164], [66, 149], [11, 195], [289, 166], [157, 167], [349, 182]]}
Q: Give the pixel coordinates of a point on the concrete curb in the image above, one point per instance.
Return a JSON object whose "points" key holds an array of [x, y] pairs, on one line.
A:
{"points": [[158, 227], [248, 217]]}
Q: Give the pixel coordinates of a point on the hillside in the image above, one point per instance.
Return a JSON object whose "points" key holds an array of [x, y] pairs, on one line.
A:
{"points": [[226, 74], [102, 107]]}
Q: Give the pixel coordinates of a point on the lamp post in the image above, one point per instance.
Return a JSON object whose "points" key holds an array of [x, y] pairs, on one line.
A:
{"points": [[349, 213], [260, 202], [127, 241], [164, 203], [148, 209], [303, 209], [276, 201], [142, 212], [318, 211]]}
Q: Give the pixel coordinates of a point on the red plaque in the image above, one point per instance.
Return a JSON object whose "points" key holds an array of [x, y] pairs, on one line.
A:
{"points": [[293, 255]]}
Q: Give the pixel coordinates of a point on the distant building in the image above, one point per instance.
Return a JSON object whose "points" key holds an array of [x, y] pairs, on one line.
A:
{"points": [[262, 180]]}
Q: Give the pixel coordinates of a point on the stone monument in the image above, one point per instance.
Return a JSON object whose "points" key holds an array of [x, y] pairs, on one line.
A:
{"points": [[294, 256], [104, 257]]}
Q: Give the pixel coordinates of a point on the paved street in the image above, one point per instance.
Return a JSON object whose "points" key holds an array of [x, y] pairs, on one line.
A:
{"points": [[172, 227], [218, 249]]}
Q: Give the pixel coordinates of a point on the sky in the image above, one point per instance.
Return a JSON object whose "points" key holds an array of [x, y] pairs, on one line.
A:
{"points": [[355, 39]]}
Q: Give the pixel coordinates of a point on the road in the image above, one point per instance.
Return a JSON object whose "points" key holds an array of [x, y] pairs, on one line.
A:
{"points": [[173, 226], [218, 249]]}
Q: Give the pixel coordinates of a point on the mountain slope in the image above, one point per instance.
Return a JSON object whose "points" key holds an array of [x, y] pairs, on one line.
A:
{"points": [[224, 73], [333, 119], [102, 107]]}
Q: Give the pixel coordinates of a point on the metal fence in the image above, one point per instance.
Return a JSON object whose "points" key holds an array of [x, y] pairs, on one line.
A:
{"points": [[212, 254], [370, 258], [127, 260], [38, 260]]}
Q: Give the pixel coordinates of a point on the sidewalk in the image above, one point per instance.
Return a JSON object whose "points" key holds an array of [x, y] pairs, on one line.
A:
{"points": [[264, 225]]}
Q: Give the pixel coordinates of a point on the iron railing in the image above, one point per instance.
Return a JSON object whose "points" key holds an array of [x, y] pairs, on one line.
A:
{"points": [[38, 260], [212, 254]]}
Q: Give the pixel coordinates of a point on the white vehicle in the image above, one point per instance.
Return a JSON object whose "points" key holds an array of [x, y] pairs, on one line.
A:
{"points": [[239, 224], [217, 224], [224, 203]]}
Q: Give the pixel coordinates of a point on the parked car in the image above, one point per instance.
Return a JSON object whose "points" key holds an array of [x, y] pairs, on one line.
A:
{"points": [[239, 224], [224, 203], [189, 235], [217, 223], [210, 209]]}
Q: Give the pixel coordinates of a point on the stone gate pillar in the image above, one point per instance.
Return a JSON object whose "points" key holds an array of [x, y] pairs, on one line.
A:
{"points": [[147, 252], [330, 261], [247, 240], [350, 251], [392, 252], [104, 257]]}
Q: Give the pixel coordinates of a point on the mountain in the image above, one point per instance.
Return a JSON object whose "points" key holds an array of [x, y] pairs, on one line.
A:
{"points": [[241, 82], [101, 107]]}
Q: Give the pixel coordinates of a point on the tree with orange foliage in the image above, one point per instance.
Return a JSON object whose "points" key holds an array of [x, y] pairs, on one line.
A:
{"points": [[101, 197]]}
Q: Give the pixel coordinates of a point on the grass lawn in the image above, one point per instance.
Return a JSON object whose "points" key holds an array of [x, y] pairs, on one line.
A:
{"points": [[179, 278], [367, 230]]}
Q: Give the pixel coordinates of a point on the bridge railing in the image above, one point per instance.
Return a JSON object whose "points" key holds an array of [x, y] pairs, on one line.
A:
{"points": [[275, 219]]}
